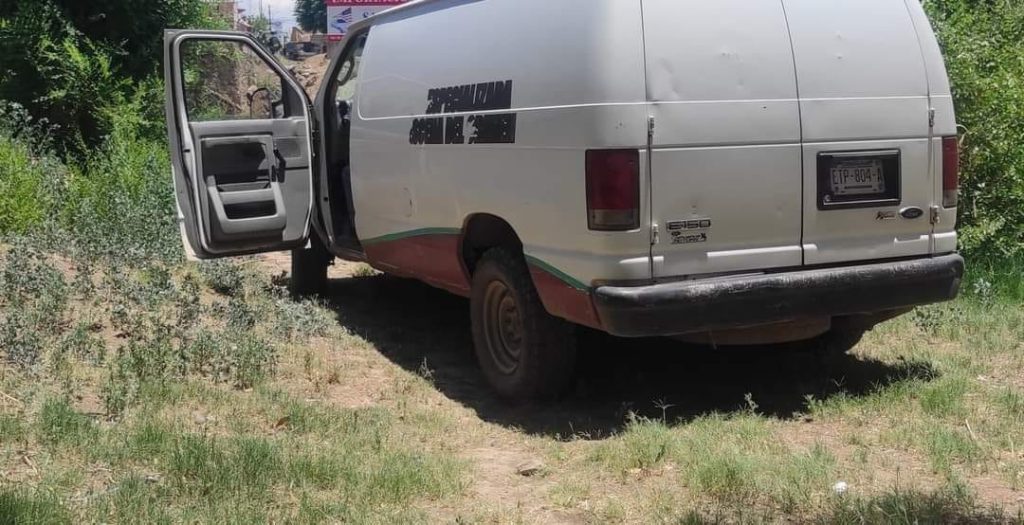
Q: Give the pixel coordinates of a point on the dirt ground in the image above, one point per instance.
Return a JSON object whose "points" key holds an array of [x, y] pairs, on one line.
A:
{"points": [[504, 460], [536, 464], [366, 405]]}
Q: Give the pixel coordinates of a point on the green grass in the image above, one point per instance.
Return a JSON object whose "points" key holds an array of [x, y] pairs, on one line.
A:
{"points": [[11, 428], [27, 189], [944, 397], [147, 341], [953, 505], [170, 473], [59, 424], [191, 369], [733, 460], [154, 391], [29, 507]]}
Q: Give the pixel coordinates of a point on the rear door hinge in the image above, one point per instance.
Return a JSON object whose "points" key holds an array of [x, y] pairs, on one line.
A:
{"points": [[650, 130], [931, 117], [935, 217], [655, 235]]}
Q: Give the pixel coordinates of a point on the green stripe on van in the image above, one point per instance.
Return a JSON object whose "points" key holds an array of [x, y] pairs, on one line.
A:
{"points": [[391, 237], [559, 274], [562, 276]]}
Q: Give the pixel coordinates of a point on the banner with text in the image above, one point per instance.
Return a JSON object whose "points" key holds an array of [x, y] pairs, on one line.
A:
{"points": [[342, 13]]}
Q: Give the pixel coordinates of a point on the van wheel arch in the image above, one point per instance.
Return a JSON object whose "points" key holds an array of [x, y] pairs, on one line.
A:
{"points": [[483, 232]]}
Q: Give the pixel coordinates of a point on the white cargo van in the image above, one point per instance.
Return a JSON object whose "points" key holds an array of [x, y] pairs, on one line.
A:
{"points": [[731, 171]]}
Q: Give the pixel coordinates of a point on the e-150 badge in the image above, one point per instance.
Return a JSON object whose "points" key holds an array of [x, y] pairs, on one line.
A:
{"points": [[689, 231], [490, 128]]}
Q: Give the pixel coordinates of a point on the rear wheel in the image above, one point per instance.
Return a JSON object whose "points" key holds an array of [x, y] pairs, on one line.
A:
{"points": [[309, 269], [524, 352]]}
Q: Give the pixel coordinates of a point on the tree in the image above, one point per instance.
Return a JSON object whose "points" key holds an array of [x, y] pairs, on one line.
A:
{"points": [[259, 27], [258, 23], [311, 15], [70, 63]]}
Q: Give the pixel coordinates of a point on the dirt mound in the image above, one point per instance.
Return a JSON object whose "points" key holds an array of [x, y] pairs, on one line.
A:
{"points": [[310, 73]]}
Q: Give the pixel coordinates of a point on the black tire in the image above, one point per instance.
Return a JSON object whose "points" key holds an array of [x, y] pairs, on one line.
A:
{"points": [[525, 353], [309, 269]]}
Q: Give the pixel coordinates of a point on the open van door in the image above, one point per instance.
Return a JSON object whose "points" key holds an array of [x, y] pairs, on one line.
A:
{"points": [[240, 130]]}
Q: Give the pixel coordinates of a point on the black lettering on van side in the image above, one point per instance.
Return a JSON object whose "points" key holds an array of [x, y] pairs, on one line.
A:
{"points": [[464, 98], [435, 102], [493, 129], [453, 130], [480, 97], [427, 131], [501, 96], [467, 98], [485, 96]]}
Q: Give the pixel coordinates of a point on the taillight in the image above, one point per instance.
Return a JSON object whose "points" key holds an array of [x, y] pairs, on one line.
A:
{"points": [[613, 190], [950, 171]]}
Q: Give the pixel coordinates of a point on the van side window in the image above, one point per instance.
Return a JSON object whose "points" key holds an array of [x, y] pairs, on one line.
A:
{"points": [[348, 72]]}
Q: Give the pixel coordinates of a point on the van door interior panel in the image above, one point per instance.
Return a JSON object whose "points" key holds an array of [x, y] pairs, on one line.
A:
{"points": [[251, 177]]}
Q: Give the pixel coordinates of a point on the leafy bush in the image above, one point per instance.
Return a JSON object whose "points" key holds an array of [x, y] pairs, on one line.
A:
{"points": [[223, 277], [76, 63], [121, 202], [983, 42], [29, 186], [117, 202]]}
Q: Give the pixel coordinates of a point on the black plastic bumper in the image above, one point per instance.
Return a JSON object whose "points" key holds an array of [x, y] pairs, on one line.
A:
{"points": [[744, 301]]}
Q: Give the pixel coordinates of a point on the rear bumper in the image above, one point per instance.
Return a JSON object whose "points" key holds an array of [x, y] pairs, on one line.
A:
{"points": [[737, 302]]}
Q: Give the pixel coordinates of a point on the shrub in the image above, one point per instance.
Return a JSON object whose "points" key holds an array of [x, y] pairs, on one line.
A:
{"points": [[252, 359], [223, 277], [983, 42], [121, 203], [74, 63], [30, 186]]}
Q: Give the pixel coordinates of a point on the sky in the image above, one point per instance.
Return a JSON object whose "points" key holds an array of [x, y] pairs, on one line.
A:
{"points": [[280, 10]]}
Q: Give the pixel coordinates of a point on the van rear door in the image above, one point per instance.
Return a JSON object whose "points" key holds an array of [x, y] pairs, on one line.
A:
{"points": [[868, 173], [725, 162]]}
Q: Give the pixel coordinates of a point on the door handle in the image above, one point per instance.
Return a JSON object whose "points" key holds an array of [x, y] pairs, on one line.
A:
{"points": [[277, 174]]}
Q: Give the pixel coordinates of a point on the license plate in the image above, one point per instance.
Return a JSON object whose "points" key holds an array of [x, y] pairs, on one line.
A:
{"points": [[857, 177]]}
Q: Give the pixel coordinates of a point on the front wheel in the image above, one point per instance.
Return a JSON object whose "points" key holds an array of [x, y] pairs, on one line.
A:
{"points": [[524, 352]]}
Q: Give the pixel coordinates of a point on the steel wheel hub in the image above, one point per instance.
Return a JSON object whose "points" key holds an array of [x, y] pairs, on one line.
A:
{"points": [[503, 327]]}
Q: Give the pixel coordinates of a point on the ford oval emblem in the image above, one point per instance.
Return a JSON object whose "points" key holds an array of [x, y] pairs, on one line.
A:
{"points": [[912, 213]]}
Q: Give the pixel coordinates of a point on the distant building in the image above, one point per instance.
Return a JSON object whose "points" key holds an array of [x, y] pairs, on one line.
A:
{"points": [[299, 35]]}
